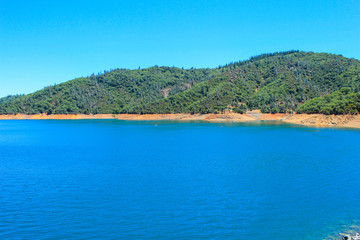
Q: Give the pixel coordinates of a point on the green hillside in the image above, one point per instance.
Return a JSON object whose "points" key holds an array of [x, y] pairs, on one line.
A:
{"points": [[272, 82], [339, 102], [278, 82], [117, 91]]}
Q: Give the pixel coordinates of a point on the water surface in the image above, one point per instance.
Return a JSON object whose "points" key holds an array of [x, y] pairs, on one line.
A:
{"points": [[110, 179]]}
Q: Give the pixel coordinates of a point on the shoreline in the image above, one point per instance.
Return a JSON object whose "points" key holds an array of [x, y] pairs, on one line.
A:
{"points": [[315, 120]]}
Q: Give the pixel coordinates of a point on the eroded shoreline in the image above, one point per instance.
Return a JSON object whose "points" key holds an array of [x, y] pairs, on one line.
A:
{"points": [[318, 120]]}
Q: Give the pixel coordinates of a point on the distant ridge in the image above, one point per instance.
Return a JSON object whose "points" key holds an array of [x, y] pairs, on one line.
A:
{"points": [[274, 82]]}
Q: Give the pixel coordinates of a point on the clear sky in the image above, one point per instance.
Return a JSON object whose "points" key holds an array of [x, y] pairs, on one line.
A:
{"points": [[47, 42]]}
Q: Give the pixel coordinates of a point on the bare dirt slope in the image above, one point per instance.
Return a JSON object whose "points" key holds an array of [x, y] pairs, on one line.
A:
{"points": [[325, 120], [352, 121]]}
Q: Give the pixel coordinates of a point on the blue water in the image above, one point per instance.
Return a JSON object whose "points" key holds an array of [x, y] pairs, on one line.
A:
{"points": [[109, 179]]}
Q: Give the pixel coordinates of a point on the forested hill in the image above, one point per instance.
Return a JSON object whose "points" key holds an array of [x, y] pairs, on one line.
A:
{"points": [[278, 82]]}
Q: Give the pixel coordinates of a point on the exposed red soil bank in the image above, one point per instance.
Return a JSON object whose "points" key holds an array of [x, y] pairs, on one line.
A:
{"points": [[320, 120]]}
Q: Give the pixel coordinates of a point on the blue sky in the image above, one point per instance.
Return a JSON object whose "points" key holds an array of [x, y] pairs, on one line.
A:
{"points": [[47, 42]]}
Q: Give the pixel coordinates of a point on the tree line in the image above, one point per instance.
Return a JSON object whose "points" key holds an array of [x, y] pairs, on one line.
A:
{"points": [[278, 82]]}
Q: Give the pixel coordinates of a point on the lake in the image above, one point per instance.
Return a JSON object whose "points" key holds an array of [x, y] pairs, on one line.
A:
{"points": [[111, 179]]}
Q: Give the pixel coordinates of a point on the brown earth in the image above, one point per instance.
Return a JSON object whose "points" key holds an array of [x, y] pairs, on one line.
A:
{"points": [[180, 116], [55, 116], [351, 121], [144, 117], [320, 120]]}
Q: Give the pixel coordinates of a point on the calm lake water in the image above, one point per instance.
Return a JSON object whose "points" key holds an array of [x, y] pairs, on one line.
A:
{"points": [[109, 179]]}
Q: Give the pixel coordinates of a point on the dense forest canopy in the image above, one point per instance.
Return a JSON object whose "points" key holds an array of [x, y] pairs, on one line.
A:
{"points": [[343, 101], [278, 82]]}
